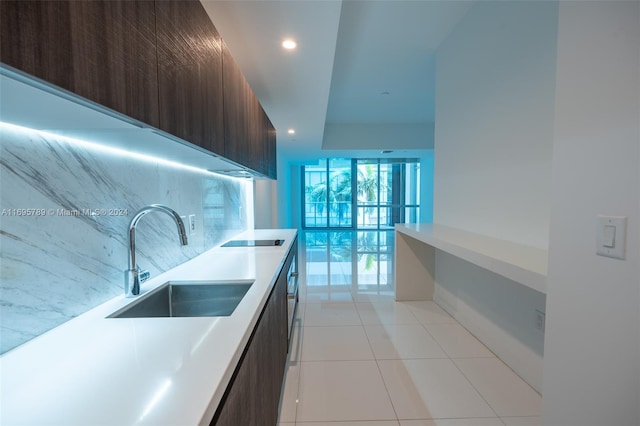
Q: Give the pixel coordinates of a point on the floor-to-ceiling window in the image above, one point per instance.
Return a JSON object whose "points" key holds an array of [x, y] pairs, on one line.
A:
{"points": [[361, 193], [315, 192], [328, 194]]}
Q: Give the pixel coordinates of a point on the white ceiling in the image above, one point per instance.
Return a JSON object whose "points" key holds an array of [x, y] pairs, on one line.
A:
{"points": [[388, 46], [349, 52]]}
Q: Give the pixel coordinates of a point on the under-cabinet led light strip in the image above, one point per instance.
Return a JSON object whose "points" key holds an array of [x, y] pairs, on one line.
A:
{"points": [[114, 151]]}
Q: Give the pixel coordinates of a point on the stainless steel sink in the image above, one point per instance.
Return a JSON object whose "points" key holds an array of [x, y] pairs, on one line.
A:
{"points": [[187, 299]]}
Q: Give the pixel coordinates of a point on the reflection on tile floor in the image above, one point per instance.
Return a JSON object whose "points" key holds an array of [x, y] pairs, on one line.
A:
{"points": [[358, 358]]}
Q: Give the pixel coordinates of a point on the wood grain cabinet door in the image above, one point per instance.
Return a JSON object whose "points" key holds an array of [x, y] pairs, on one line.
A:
{"points": [[160, 62], [248, 132], [190, 74], [262, 141], [237, 111], [252, 397], [268, 147], [104, 51]]}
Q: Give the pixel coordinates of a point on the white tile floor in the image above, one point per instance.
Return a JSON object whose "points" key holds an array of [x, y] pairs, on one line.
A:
{"points": [[362, 359]]}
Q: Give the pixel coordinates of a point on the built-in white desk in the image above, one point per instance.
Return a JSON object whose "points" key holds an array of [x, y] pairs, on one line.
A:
{"points": [[415, 246]]}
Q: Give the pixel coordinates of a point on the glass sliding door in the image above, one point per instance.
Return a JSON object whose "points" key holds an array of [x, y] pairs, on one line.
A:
{"points": [[327, 265], [340, 198], [388, 193], [361, 193], [411, 201], [374, 272], [338, 263], [368, 195], [315, 195], [328, 194]]}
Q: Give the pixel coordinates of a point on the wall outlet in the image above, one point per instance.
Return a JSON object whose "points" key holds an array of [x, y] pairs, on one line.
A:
{"points": [[192, 224], [539, 321]]}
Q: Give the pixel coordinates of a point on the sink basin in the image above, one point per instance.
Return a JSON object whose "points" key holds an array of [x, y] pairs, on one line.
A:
{"points": [[187, 299]]}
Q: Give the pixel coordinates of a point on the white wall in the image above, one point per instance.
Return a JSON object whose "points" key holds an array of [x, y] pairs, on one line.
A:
{"points": [[493, 145], [498, 311], [264, 204], [494, 121], [283, 193], [592, 359], [341, 136], [294, 200]]}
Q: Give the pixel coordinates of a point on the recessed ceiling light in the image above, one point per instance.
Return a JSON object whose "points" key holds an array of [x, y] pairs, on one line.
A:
{"points": [[289, 44], [291, 131]]}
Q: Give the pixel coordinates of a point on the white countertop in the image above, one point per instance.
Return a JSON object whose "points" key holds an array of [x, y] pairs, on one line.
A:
{"points": [[143, 371], [524, 264]]}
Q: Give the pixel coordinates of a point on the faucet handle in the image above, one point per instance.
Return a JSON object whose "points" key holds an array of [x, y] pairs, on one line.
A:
{"points": [[143, 274], [132, 280]]}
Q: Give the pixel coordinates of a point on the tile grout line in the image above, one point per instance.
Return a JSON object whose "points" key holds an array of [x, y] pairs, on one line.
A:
{"points": [[355, 300], [428, 332], [452, 360], [386, 389], [474, 387]]}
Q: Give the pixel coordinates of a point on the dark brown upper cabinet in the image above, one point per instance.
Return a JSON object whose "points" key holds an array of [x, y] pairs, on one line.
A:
{"points": [[248, 133], [190, 74], [160, 62], [104, 51], [237, 96], [269, 146]]}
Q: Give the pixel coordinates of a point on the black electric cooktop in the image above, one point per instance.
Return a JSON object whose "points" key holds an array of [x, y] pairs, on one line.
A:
{"points": [[253, 243]]}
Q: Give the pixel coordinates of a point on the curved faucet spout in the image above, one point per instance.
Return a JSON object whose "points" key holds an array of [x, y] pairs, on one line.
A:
{"points": [[132, 275]]}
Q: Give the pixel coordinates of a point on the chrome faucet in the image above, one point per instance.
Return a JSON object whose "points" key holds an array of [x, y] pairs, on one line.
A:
{"points": [[134, 276]]}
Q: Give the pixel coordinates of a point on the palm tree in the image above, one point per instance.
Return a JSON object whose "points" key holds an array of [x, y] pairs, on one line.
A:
{"points": [[341, 201], [317, 194], [337, 191], [367, 183], [368, 186]]}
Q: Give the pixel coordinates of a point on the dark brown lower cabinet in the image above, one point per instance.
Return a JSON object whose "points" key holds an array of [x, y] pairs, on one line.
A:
{"points": [[252, 397]]}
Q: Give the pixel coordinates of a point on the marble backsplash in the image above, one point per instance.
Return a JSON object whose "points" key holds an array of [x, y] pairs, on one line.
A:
{"points": [[68, 254]]}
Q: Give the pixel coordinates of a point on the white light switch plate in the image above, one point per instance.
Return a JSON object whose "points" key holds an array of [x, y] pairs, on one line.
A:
{"points": [[611, 236]]}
